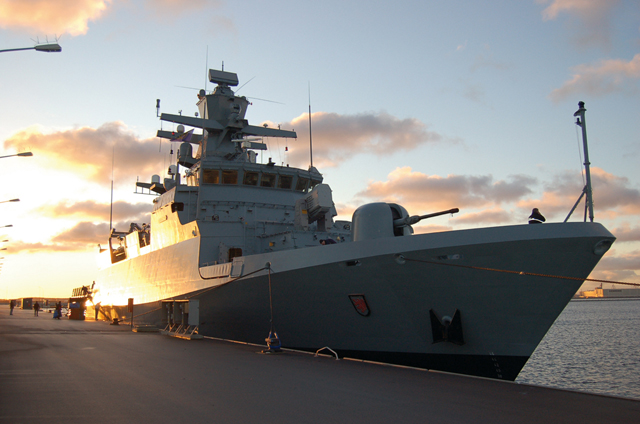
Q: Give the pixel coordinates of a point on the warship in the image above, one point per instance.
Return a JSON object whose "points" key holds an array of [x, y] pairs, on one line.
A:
{"points": [[247, 251]]}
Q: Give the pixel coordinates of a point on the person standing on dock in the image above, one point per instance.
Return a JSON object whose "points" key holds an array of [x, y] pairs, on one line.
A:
{"points": [[12, 305], [36, 309]]}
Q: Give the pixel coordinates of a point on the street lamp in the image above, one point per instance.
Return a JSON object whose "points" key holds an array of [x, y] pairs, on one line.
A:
{"points": [[5, 226], [12, 200], [49, 48], [18, 154]]}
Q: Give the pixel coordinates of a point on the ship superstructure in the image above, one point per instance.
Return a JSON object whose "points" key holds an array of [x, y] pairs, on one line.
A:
{"points": [[236, 248]]}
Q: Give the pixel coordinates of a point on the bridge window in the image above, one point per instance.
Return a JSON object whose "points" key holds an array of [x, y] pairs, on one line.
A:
{"points": [[229, 177], [285, 182], [268, 180], [301, 185], [211, 176], [250, 178]]}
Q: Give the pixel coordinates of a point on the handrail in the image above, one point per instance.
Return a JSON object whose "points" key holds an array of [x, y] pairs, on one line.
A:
{"points": [[329, 349]]}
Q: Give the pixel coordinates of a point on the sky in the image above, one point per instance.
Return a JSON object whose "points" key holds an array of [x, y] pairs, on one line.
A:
{"points": [[432, 104]]}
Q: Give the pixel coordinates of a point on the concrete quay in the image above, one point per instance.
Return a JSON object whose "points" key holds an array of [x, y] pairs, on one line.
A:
{"points": [[72, 371]]}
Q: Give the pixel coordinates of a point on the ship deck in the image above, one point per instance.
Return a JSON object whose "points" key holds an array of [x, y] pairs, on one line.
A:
{"points": [[66, 370]]}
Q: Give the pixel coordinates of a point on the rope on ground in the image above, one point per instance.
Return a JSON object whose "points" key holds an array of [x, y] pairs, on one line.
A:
{"points": [[522, 272]]}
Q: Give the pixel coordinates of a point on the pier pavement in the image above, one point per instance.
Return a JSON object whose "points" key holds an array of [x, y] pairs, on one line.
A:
{"points": [[71, 371]]}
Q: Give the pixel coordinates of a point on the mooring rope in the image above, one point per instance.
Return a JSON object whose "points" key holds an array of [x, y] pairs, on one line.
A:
{"points": [[535, 274], [127, 319], [230, 281], [148, 312]]}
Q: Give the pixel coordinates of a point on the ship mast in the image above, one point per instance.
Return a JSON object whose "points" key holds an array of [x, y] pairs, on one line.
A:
{"points": [[310, 141], [587, 190]]}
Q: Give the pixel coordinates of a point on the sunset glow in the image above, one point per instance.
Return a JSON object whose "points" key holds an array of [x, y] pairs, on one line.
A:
{"points": [[425, 104]]}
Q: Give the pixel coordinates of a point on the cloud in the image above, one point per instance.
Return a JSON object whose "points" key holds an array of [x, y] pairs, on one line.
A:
{"points": [[168, 11], [84, 233], [345, 211], [422, 192], [462, 46], [73, 16], [89, 209], [485, 59], [82, 236], [606, 77], [626, 233], [92, 230], [621, 262], [473, 92], [51, 17], [493, 216], [430, 228], [623, 275], [90, 152], [23, 247], [173, 8], [585, 9], [613, 195], [337, 137], [588, 19]]}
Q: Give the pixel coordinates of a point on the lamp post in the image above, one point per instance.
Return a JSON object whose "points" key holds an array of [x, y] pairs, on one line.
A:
{"points": [[17, 154], [6, 226], [12, 200], [49, 48]]}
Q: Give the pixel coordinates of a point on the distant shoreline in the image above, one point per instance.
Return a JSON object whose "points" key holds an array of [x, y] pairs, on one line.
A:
{"points": [[597, 299]]}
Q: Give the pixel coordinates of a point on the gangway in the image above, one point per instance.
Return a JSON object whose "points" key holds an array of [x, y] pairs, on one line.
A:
{"points": [[182, 318]]}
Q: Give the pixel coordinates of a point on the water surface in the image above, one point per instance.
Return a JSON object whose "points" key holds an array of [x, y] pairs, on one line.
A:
{"points": [[594, 346]]}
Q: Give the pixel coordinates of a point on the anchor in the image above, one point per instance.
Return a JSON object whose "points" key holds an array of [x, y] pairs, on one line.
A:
{"points": [[447, 329]]}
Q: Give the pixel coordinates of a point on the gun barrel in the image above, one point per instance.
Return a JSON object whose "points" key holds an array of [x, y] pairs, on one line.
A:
{"points": [[410, 220], [431, 215]]}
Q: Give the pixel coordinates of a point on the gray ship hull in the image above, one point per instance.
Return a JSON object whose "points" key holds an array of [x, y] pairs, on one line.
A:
{"points": [[483, 276]]}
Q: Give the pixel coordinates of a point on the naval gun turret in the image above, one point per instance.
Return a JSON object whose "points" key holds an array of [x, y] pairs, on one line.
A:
{"points": [[379, 220]]}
